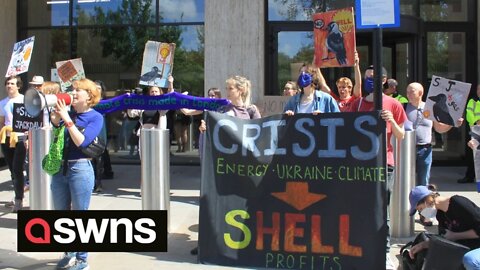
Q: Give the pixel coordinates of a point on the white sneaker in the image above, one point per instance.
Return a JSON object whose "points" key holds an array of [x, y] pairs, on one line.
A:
{"points": [[389, 263]]}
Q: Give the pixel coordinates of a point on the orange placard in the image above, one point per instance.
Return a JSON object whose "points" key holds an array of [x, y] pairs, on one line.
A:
{"points": [[334, 38], [66, 71]]}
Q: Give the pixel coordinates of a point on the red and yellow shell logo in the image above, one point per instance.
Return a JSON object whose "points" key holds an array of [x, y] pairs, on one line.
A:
{"points": [[344, 19]]}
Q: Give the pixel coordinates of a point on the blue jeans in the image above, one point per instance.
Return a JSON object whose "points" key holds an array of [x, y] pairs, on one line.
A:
{"points": [[73, 190], [471, 260], [423, 164], [390, 182]]}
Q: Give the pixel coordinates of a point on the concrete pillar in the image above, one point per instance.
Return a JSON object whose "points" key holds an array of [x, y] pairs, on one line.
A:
{"points": [[234, 43]]}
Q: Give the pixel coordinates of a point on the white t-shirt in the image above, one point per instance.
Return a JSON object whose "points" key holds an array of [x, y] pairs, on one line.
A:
{"points": [[6, 110]]}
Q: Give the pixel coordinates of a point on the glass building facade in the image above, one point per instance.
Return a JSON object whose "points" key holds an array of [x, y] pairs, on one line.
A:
{"points": [[436, 37]]}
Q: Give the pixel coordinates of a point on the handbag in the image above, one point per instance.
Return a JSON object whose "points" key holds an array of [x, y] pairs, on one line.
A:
{"points": [[95, 148], [52, 162], [417, 262]]}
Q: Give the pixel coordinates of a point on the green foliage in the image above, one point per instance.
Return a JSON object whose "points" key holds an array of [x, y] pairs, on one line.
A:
{"points": [[127, 43]]}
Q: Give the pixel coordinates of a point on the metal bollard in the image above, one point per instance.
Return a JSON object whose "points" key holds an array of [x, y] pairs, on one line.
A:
{"points": [[155, 160], [190, 137], [40, 192], [402, 224]]}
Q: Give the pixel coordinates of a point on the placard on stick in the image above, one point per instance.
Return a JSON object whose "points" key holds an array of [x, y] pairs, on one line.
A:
{"points": [[334, 38], [157, 63], [446, 100], [21, 55]]}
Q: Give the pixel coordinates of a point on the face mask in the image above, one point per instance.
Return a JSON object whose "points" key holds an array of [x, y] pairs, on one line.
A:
{"points": [[429, 212], [304, 80], [369, 85]]}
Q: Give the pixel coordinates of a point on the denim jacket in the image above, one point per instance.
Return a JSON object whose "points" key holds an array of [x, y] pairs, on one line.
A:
{"points": [[323, 102]]}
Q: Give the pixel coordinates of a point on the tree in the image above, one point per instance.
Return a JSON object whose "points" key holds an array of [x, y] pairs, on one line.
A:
{"points": [[127, 43]]}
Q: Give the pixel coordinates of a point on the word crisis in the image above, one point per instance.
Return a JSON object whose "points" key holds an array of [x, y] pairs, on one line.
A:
{"points": [[309, 137]]}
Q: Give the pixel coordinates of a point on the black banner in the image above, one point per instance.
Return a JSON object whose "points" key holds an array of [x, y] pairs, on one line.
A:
{"points": [[22, 121], [93, 230], [299, 192]]}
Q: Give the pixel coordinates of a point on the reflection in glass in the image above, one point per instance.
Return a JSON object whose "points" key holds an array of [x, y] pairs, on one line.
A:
{"points": [[114, 12], [50, 46], [446, 55], [302, 10], [41, 13], [444, 10], [294, 49], [182, 11]]}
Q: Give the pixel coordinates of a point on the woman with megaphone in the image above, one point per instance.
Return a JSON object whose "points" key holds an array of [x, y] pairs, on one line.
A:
{"points": [[72, 185]]}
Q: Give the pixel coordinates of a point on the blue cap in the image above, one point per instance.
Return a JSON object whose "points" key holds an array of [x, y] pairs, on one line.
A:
{"points": [[305, 79], [417, 194]]}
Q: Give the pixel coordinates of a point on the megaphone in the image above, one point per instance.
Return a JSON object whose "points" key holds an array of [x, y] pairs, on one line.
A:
{"points": [[35, 101]]}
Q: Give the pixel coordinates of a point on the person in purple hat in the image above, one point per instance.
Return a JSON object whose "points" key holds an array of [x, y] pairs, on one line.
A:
{"points": [[458, 220]]}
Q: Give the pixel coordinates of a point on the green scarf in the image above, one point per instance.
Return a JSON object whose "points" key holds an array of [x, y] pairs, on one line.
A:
{"points": [[52, 162]]}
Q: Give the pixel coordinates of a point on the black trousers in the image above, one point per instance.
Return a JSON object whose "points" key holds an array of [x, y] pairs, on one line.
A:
{"points": [[15, 158]]}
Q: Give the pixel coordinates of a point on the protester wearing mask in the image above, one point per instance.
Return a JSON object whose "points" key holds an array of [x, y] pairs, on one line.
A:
{"points": [[458, 220], [310, 100], [394, 116]]}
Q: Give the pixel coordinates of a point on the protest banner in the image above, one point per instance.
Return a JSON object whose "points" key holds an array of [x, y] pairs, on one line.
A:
{"points": [[334, 38], [69, 71], [170, 101], [22, 121], [157, 63], [446, 100], [21, 55], [294, 192]]}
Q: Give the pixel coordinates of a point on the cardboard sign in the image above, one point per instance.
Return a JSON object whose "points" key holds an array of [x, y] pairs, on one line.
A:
{"points": [[446, 100], [294, 192], [22, 121], [69, 71], [334, 38], [21, 55], [157, 63]]}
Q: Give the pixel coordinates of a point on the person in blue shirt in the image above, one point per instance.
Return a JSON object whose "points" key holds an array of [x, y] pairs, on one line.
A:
{"points": [[72, 185], [310, 100]]}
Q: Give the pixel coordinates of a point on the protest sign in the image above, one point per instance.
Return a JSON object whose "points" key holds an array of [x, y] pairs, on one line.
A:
{"points": [[157, 63], [446, 100], [69, 71], [334, 38], [22, 121], [294, 192], [21, 55]]}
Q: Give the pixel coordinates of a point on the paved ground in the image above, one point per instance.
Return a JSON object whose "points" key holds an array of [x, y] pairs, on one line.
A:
{"points": [[123, 192]]}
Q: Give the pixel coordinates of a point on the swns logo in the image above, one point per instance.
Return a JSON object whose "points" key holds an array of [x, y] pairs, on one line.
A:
{"points": [[98, 231]]}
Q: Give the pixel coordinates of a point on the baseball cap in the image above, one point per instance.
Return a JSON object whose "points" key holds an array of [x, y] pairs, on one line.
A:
{"points": [[417, 194], [384, 70], [37, 80]]}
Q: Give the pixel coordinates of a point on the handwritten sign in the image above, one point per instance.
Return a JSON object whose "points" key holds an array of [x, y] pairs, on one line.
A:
{"points": [[69, 71], [157, 63], [271, 105], [334, 38], [21, 55], [294, 192], [446, 100], [22, 121]]}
